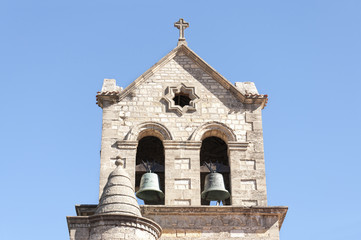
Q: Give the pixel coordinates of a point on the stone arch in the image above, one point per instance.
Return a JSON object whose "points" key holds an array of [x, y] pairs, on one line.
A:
{"points": [[149, 129], [213, 129]]}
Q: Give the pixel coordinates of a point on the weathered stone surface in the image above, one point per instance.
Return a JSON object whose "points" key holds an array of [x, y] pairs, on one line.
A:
{"points": [[217, 222], [109, 85], [111, 226], [218, 112], [246, 87], [118, 195], [116, 217], [181, 102]]}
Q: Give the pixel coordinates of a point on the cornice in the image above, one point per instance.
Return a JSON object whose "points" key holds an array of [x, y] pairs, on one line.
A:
{"points": [[111, 97], [171, 144], [237, 146], [126, 144], [279, 211], [92, 221]]}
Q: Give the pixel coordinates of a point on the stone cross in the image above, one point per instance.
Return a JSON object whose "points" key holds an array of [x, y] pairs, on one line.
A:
{"points": [[181, 25]]}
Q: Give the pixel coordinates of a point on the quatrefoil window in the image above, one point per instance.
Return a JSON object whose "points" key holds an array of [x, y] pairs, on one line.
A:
{"points": [[181, 98]]}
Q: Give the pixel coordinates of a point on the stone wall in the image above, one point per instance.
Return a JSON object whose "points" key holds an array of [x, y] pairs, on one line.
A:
{"points": [[147, 111], [113, 226], [214, 223]]}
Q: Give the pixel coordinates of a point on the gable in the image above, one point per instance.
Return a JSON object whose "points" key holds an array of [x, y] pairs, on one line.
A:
{"points": [[182, 75], [195, 66], [147, 102]]}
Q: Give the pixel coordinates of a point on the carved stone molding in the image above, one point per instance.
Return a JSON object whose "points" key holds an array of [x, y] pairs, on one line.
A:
{"points": [[202, 215], [194, 145], [149, 129], [126, 144], [170, 93], [126, 221], [237, 146], [225, 217], [213, 129], [107, 98], [95, 221]]}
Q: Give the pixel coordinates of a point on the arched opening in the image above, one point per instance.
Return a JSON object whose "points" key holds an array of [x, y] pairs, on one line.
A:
{"points": [[150, 149], [149, 129], [213, 129], [214, 150]]}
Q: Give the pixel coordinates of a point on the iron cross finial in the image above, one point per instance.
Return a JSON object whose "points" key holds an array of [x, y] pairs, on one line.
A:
{"points": [[181, 25]]}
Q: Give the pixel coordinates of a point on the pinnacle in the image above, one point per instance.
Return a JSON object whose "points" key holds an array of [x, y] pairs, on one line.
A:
{"points": [[118, 194]]}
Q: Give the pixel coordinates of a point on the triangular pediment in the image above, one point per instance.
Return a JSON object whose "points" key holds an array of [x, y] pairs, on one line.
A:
{"points": [[185, 50]]}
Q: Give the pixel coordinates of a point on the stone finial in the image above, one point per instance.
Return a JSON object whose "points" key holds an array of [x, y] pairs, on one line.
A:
{"points": [[118, 194], [246, 87], [181, 25], [110, 85]]}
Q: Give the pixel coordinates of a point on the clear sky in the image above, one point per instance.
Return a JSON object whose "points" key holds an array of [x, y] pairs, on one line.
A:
{"points": [[54, 55]]}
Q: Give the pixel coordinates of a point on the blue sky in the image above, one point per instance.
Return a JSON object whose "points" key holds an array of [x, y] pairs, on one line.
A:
{"points": [[54, 55]]}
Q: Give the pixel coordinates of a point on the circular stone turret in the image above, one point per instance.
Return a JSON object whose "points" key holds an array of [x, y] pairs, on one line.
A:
{"points": [[118, 215], [118, 194]]}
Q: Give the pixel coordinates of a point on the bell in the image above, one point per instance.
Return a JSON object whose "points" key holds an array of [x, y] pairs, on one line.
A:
{"points": [[214, 189], [149, 188]]}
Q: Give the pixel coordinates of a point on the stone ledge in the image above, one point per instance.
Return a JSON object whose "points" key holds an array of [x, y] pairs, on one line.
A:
{"points": [[279, 211], [171, 144], [126, 144], [237, 146], [115, 220], [85, 209], [111, 97], [151, 210]]}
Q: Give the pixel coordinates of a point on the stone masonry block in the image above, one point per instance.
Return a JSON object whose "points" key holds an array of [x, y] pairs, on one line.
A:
{"points": [[248, 184], [257, 125], [182, 184], [182, 163], [247, 164], [253, 135], [253, 117]]}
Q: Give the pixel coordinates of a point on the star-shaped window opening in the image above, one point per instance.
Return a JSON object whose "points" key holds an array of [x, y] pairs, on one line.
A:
{"points": [[182, 99]]}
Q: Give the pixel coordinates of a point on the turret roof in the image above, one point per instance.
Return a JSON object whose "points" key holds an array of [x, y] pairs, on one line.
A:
{"points": [[118, 194]]}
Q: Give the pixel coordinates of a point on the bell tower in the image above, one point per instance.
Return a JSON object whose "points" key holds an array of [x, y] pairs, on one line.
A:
{"points": [[191, 143]]}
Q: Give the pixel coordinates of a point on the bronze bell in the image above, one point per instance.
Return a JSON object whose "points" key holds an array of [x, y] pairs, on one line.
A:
{"points": [[149, 189], [214, 189]]}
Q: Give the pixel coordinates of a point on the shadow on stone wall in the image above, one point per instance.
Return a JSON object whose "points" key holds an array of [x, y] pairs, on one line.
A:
{"points": [[244, 223], [204, 78]]}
